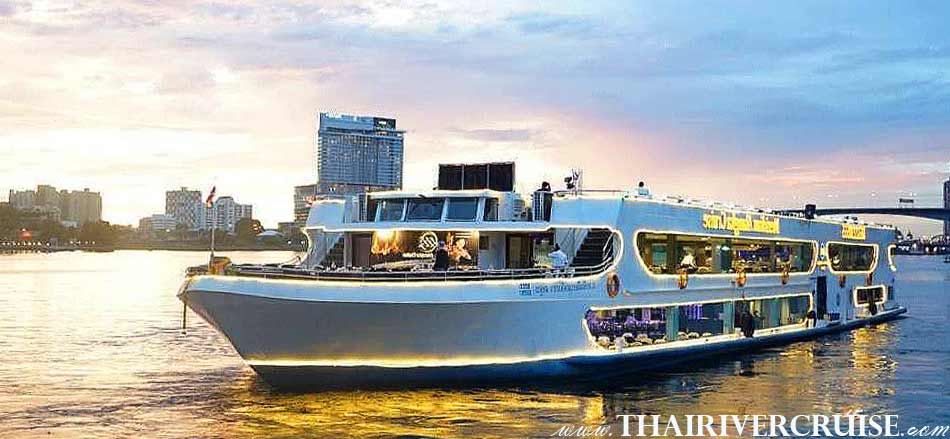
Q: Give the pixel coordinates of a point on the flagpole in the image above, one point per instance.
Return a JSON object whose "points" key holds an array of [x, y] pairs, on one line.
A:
{"points": [[213, 226]]}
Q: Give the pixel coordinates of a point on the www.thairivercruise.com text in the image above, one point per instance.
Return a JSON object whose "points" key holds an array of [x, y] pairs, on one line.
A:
{"points": [[708, 426]]}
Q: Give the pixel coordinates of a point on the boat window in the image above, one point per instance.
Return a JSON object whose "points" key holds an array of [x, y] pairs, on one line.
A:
{"points": [[701, 320], [774, 312], [425, 209], [409, 250], [863, 294], [850, 257], [391, 210], [491, 209], [462, 209], [669, 253], [645, 326]]}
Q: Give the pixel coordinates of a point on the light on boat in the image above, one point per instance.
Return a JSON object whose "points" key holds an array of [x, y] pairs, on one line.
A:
{"points": [[384, 235]]}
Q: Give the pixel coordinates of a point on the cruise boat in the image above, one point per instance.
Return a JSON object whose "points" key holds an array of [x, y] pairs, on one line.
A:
{"points": [[649, 281]]}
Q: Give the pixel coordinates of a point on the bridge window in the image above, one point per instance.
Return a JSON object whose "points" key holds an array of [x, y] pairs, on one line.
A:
{"points": [[425, 209], [391, 210], [851, 257], [462, 209], [668, 253]]}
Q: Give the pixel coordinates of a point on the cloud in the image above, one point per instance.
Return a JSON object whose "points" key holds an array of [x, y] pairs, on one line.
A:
{"points": [[557, 25], [497, 135]]}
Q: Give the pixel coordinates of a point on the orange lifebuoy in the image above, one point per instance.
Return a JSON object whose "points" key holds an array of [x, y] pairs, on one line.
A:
{"points": [[683, 279], [613, 285], [740, 278]]}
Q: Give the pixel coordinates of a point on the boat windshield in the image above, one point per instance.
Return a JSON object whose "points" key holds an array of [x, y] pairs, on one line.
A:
{"points": [[426, 209]]}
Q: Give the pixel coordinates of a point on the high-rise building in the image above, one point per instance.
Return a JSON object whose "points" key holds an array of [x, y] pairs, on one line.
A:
{"points": [[355, 155], [359, 150], [73, 208], [946, 205], [82, 207], [22, 200], [225, 214], [185, 206]]}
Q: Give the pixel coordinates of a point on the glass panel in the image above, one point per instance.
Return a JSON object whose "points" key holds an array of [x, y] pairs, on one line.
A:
{"points": [[491, 209], [391, 210], [410, 249], [669, 254], [700, 320], [771, 313], [845, 257], [462, 209], [427, 209]]}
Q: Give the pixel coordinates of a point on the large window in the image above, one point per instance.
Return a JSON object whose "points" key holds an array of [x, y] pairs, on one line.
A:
{"points": [[391, 210], [462, 209], [774, 312], [701, 320], [851, 257], [667, 253], [863, 295], [425, 209]]}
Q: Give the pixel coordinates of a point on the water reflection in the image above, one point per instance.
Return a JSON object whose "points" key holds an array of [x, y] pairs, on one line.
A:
{"points": [[91, 347]]}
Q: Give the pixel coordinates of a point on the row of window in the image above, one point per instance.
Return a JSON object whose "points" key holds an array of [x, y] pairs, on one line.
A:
{"points": [[671, 253], [432, 209], [667, 253], [651, 325]]}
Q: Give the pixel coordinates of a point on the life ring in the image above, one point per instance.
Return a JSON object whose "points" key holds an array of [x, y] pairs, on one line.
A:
{"points": [[785, 276], [870, 278], [842, 280], [740, 278], [683, 279], [613, 285]]}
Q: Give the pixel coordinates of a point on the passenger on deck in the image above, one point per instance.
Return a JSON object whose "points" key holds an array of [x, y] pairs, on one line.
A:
{"points": [[689, 262], [643, 190], [441, 258], [558, 257]]}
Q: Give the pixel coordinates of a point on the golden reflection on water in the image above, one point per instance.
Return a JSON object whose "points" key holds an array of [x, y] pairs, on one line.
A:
{"points": [[803, 378], [92, 348]]}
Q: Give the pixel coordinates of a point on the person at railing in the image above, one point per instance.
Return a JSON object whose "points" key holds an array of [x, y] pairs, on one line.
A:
{"points": [[441, 258], [558, 258], [643, 190]]}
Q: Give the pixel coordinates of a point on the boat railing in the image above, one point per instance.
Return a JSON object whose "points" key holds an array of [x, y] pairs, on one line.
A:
{"points": [[357, 275]]}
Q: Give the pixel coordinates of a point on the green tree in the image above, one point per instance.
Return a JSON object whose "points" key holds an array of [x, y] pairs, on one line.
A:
{"points": [[247, 229], [100, 232]]}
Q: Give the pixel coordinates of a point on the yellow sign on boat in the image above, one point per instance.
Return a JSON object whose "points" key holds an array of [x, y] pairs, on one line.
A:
{"points": [[741, 222], [854, 231]]}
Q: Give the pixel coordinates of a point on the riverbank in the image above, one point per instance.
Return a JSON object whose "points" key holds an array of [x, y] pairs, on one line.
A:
{"points": [[204, 246]]}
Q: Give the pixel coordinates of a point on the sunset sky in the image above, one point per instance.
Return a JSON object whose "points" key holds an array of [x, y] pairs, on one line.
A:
{"points": [[837, 103]]}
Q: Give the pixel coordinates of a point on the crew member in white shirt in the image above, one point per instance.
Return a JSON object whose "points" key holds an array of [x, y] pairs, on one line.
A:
{"points": [[558, 257]]}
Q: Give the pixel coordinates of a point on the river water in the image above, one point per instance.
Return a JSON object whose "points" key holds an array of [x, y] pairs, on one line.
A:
{"points": [[91, 346]]}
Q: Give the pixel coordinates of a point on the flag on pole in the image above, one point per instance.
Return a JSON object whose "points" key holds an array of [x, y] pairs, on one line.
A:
{"points": [[210, 200]]}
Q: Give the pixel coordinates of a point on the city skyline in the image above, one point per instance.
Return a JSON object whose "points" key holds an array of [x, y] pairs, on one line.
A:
{"points": [[774, 106]]}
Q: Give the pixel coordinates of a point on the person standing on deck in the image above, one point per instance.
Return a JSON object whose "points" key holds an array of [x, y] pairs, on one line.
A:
{"points": [[441, 258], [558, 257]]}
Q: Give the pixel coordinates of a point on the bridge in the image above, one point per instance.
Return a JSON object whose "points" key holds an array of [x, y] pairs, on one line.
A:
{"points": [[934, 213]]}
